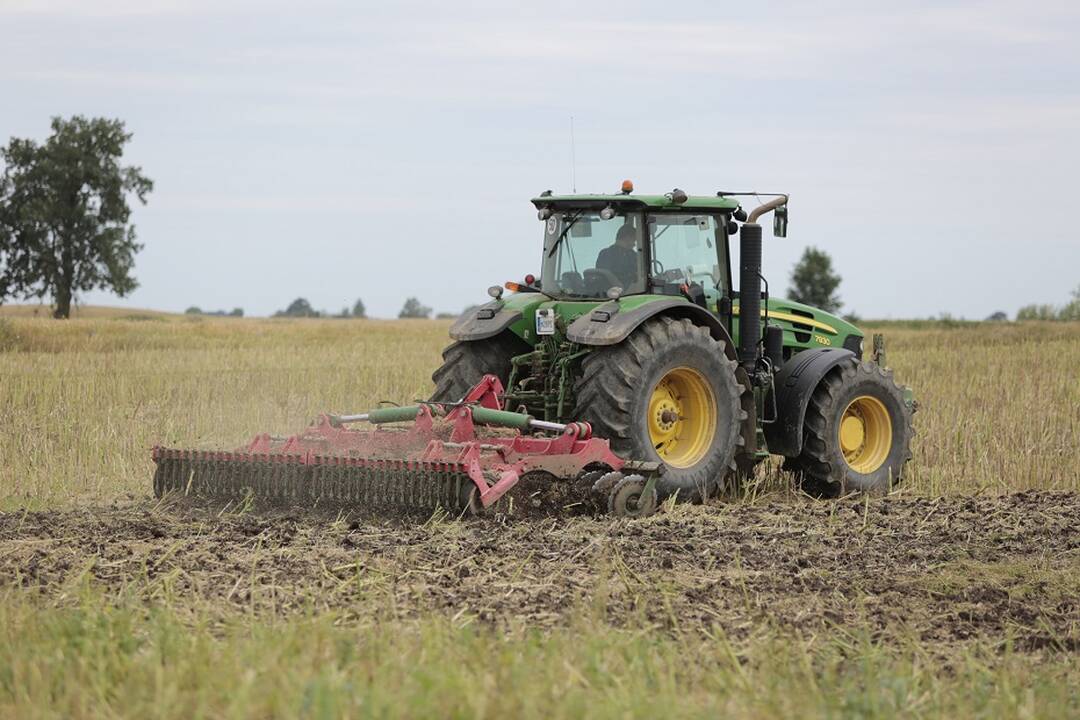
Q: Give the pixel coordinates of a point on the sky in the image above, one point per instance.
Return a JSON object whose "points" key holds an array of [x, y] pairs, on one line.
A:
{"points": [[344, 150]]}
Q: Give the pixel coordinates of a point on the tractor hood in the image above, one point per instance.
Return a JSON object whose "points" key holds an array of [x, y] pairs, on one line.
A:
{"points": [[806, 326]]}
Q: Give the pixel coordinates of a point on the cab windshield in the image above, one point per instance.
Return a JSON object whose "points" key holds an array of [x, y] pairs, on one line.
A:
{"points": [[586, 255]]}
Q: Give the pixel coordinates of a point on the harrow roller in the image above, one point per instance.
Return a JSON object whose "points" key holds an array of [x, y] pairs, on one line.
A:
{"points": [[294, 479]]}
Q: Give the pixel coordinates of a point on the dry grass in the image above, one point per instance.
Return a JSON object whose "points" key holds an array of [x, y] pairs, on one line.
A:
{"points": [[83, 400]]}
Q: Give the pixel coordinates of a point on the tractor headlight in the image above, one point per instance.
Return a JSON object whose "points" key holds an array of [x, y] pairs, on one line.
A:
{"points": [[607, 213], [495, 291]]}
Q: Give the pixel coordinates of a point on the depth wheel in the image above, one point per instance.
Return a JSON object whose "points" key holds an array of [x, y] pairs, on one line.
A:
{"points": [[857, 433], [629, 499]]}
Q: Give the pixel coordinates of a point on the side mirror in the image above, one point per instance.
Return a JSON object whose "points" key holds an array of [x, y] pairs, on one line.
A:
{"points": [[779, 222]]}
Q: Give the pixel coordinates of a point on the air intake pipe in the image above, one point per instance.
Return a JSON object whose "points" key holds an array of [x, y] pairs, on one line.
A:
{"points": [[750, 285]]}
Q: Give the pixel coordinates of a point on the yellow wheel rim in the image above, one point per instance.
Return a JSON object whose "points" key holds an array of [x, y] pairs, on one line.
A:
{"points": [[682, 417], [865, 434]]}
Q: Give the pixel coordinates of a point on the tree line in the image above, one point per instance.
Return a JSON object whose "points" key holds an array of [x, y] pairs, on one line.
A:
{"points": [[1068, 311], [412, 309]]}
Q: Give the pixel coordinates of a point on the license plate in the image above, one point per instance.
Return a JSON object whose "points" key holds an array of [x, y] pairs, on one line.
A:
{"points": [[545, 322]]}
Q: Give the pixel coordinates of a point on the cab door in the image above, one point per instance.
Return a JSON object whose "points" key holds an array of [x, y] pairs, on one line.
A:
{"points": [[684, 249]]}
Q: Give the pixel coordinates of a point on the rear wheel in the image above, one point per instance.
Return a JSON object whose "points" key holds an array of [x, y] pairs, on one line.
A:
{"points": [[857, 432], [667, 393], [466, 362]]}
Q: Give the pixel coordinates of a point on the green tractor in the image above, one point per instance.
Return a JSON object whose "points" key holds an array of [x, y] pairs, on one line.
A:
{"points": [[635, 327]]}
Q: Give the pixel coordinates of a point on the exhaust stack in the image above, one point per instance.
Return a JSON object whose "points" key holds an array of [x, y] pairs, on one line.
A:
{"points": [[750, 284]]}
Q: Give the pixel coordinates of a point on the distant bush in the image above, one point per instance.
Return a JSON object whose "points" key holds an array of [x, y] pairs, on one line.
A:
{"points": [[413, 309], [299, 307], [946, 319], [1036, 312], [196, 310], [445, 316], [998, 316], [1067, 312], [1072, 310]]}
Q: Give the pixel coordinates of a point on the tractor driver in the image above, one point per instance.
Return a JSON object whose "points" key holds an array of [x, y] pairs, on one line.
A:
{"points": [[621, 258]]}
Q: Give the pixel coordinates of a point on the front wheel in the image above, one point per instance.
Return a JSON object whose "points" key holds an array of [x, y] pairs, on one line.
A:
{"points": [[857, 432]]}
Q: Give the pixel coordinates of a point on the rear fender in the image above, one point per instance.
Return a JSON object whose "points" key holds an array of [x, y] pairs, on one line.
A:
{"points": [[485, 321], [608, 324], [792, 388]]}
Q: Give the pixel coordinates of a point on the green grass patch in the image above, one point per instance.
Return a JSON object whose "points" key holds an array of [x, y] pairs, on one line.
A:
{"points": [[93, 658]]}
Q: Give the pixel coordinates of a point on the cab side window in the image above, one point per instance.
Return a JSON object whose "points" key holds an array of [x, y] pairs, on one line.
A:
{"points": [[684, 250]]}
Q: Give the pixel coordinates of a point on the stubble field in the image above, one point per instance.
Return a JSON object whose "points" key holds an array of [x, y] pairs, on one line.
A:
{"points": [[957, 594]]}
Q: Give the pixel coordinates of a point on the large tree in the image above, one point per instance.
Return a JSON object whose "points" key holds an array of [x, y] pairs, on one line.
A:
{"points": [[813, 281], [64, 214]]}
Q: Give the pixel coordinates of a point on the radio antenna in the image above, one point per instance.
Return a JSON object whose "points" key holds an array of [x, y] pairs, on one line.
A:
{"points": [[573, 159]]}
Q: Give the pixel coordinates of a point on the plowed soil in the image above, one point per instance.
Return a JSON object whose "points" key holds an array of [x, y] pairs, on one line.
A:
{"points": [[944, 571]]}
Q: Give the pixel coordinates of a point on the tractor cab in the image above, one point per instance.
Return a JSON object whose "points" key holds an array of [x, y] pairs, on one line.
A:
{"points": [[606, 246]]}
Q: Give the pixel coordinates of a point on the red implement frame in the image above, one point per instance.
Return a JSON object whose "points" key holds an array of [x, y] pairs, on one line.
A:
{"points": [[494, 461]]}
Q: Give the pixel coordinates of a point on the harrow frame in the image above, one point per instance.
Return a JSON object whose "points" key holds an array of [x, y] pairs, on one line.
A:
{"points": [[446, 458]]}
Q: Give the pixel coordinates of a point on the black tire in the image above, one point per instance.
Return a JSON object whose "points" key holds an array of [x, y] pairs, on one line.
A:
{"points": [[822, 465], [616, 383], [466, 362], [746, 459]]}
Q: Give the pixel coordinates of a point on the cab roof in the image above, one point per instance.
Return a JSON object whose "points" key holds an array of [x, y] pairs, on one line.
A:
{"points": [[660, 202]]}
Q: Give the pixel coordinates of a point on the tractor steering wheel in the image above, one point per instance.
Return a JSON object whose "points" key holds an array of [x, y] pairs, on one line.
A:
{"points": [[600, 276]]}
